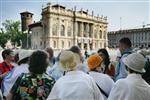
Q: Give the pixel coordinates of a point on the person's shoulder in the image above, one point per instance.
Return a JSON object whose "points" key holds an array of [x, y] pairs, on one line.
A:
{"points": [[121, 82], [125, 54], [47, 77], [2, 64]]}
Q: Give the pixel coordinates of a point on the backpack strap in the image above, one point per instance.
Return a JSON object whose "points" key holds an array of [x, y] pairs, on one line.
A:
{"points": [[16, 93], [102, 91], [128, 52]]}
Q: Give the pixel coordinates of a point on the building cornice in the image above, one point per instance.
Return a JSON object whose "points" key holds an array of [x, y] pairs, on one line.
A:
{"points": [[129, 31]]}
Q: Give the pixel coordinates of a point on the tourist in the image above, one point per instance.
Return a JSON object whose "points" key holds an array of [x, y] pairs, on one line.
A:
{"points": [[52, 59], [107, 66], [79, 59], [103, 81], [125, 49], [133, 87], [35, 85], [6, 66], [56, 72], [75, 84], [12, 76]]}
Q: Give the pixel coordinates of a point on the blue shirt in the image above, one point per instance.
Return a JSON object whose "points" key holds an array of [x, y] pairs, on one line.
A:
{"points": [[121, 70], [55, 71]]}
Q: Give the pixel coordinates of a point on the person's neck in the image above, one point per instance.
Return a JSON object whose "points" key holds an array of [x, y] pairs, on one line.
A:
{"points": [[7, 62], [126, 50]]}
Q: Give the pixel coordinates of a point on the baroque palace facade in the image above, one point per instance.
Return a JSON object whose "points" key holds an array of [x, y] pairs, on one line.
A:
{"points": [[61, 28]]}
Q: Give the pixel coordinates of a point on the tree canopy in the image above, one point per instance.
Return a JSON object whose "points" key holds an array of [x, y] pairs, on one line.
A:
{"points": [[11, 31]]}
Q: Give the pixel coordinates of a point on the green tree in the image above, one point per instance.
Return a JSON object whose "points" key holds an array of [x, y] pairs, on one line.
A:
{"points": [[3, 38], [13, 32]]}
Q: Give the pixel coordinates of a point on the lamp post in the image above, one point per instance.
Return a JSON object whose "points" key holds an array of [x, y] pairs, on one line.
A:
{"points": [[26, 42], [28, 34]]}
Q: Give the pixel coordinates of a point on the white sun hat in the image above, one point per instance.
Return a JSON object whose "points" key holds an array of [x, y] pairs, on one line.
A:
{"points": [[24, 54], [136, 62], [67, 60]]}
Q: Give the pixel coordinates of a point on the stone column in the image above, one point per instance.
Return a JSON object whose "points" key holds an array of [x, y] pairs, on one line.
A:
{"points": [[50, 42], [81, 34], [87, 30], [81, 29], [76, 32], [58, 33], [87, 34], [92, 35]]}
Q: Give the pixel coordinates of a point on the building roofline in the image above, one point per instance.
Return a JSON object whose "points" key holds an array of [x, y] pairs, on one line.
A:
{"points": [[35, 24], [58, 5], [129, 30], [26, 12]]}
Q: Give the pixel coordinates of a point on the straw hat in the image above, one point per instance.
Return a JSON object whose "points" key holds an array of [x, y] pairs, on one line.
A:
{"points": [[67, 60], [94, 61], [136, 62]]}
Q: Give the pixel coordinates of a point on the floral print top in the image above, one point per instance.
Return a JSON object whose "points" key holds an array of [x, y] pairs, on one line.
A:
{"points": [[32, 87]]}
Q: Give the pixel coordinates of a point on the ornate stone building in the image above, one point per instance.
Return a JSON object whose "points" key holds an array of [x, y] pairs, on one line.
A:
{"points": [[62, 28], [139, 37]]}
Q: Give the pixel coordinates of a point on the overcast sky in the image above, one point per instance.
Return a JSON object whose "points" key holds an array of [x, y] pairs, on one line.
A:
{"points": [[133, 13]]}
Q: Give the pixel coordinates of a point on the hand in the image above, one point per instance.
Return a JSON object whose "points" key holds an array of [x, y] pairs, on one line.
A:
{"points": [[3, 75]]}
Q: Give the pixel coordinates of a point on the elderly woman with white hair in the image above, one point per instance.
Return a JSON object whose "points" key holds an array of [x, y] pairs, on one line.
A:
{"points": [[133, 87], [75, 85]]}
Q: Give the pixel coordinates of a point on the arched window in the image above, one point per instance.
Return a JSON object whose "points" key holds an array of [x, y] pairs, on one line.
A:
{"points": [[100, 34], [62, 30], [104, 36], [100, 45], [54, 29], [69, 31], [69, 44], [45, 29], [54, 44], [62, 44], [95, 45], [104, 45], [95, 33]]}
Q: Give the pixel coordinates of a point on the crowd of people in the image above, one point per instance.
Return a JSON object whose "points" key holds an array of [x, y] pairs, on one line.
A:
{"points": [[39, 75]]}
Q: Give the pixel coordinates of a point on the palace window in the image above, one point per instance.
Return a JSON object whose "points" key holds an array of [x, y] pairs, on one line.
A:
{"points": [[45, 29], [44, 44], [95, 33], [100, 45], [95, 45], [62, 44], [69, 31], [104, 36], [100, 34], [54, 29], [62, 30], [54, 44], [69, 44]]}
